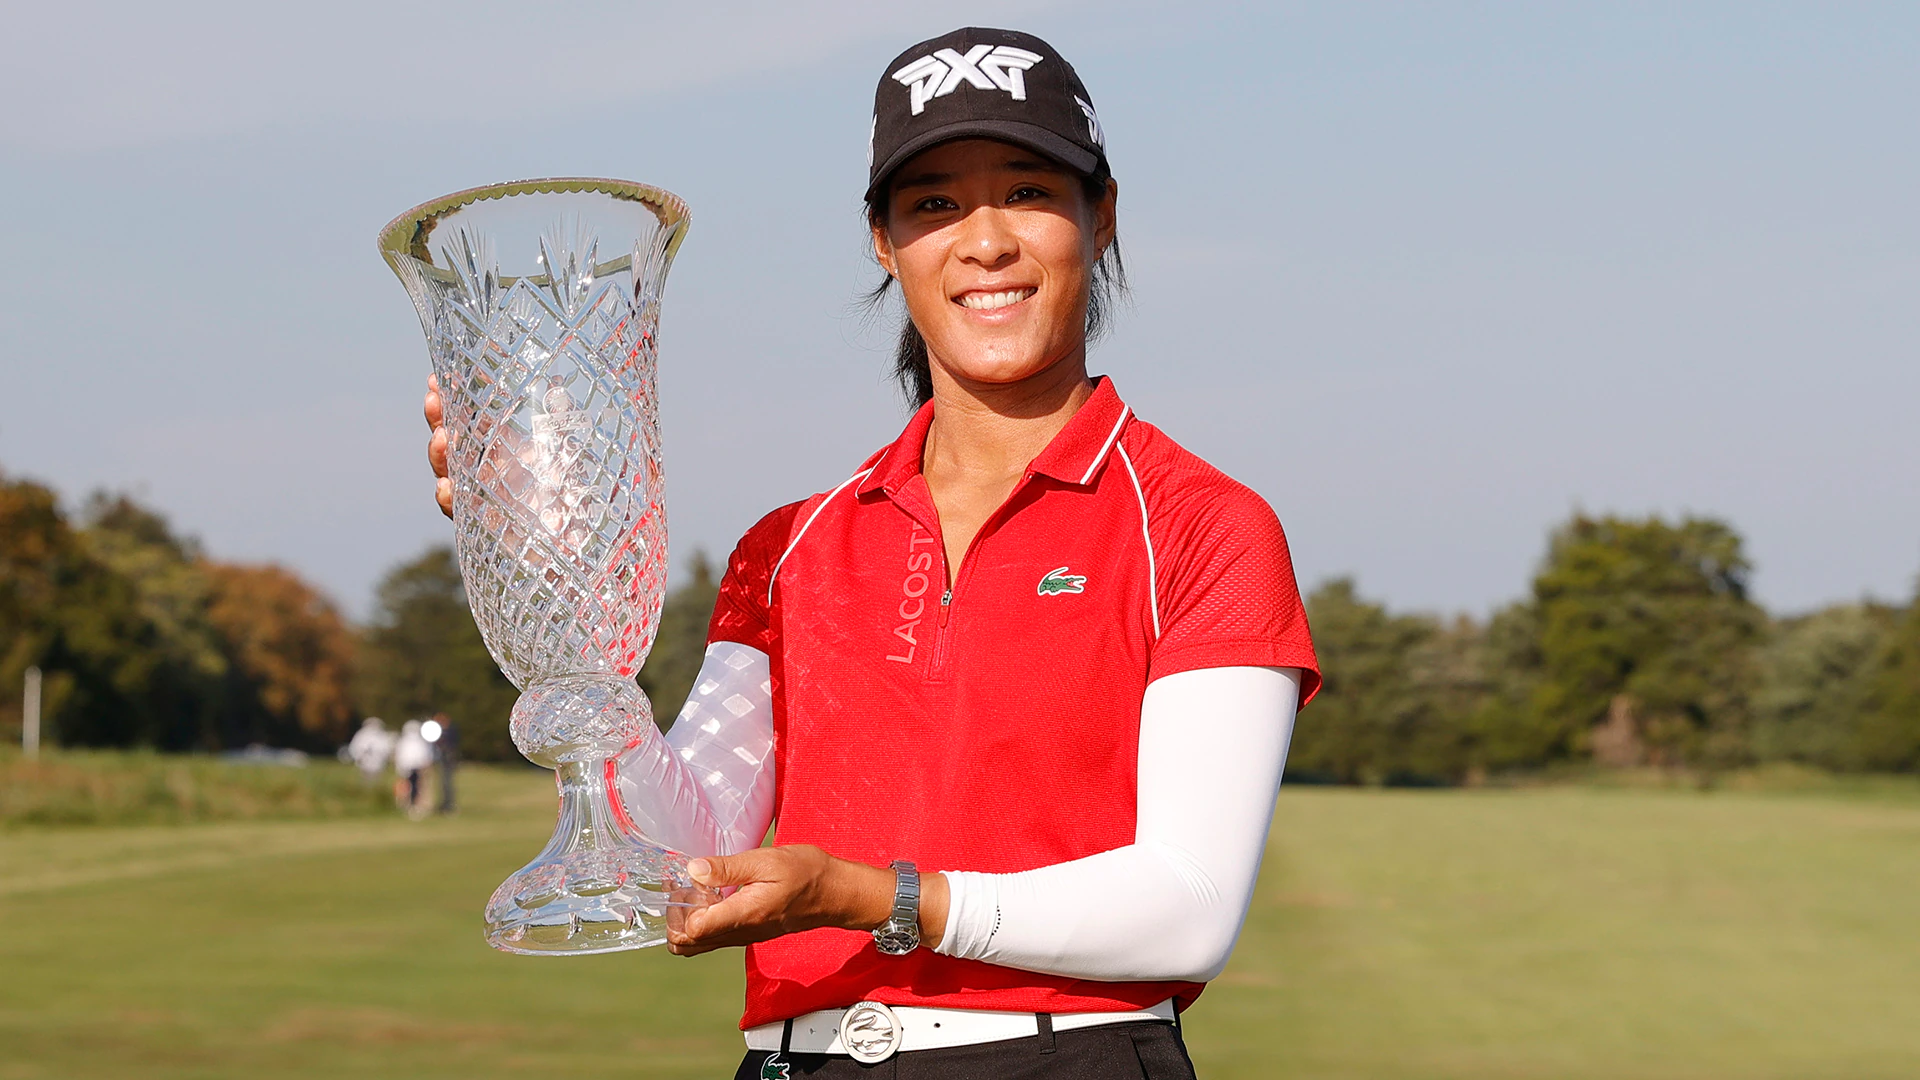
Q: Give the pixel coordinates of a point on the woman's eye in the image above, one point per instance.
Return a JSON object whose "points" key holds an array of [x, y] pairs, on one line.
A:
{"points": [[933, 204], [1022, 194]]}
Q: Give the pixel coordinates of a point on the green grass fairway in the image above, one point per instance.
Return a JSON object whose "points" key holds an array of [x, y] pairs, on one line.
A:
{"points": [[1552, 933]]}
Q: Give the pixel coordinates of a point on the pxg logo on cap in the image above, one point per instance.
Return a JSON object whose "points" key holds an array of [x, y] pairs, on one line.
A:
{"points": [[983, 83], [984, 66]]}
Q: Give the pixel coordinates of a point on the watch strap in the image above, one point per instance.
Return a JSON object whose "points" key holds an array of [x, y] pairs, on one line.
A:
{"points": [[900, 934]]}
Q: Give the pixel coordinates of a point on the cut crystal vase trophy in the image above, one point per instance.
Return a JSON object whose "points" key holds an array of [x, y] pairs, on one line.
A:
{"points": [[540, 301]]}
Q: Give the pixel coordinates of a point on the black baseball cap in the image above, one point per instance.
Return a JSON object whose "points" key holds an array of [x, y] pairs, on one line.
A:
{"points": [[976, 82]]}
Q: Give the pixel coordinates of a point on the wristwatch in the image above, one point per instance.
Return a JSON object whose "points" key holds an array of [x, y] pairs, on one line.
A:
{"points": [[900, 934]]}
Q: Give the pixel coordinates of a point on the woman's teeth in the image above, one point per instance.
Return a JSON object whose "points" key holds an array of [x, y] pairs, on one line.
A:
{"points": [[979, 301]]}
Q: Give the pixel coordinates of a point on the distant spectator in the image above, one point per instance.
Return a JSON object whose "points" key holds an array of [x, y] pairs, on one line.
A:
{"points": [[411, 757], [370, 748], [446, 749]]}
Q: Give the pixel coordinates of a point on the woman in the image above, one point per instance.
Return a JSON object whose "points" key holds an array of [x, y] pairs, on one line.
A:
{"points": [[1032, 645]]}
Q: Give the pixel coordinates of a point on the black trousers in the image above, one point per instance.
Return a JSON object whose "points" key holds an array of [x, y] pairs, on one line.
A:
{"points": [[1137, 1050]]}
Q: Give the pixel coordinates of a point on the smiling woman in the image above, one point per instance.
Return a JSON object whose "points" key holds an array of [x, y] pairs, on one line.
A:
{"points": [[1033, 645], [1034, 182]]}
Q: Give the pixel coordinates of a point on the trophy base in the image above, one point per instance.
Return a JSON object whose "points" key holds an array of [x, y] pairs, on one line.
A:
{"points": [[598, 887], [592, 902]]}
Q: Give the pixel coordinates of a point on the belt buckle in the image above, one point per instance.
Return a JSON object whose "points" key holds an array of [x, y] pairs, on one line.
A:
{"points": [[870, 1032]]}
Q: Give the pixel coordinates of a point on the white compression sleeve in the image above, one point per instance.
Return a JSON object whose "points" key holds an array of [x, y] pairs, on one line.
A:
{"points": [[706, 787], [1213, 744]]}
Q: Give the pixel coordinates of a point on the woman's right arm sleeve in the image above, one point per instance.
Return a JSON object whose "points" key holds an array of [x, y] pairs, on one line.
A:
{"points": [[706, 787]]}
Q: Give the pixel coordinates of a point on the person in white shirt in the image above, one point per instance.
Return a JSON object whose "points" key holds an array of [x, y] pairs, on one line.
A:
{"points": [[412, 755], [370, 748]]}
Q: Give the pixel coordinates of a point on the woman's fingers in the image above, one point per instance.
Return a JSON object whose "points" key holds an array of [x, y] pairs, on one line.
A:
{"points": [[779, 890], [437, 451], [749, 915], [722, 871], [437, 458], [437, 445], [776, 891]]}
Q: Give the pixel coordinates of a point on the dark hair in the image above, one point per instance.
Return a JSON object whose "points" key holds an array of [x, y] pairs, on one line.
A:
{"points": [[911, 365]]}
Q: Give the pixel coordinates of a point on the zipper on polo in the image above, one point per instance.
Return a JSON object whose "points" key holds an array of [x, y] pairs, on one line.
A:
{"points": [[937, 667], [936, 670]]}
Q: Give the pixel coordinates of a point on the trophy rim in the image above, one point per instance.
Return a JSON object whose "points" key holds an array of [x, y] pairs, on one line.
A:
{"points": [[405, 236]]}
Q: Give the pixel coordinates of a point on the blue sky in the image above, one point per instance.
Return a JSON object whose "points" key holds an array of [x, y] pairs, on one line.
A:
{"points": [[1429, 277]]}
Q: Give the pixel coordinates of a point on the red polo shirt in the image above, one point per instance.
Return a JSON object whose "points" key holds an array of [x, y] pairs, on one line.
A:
{"points": [[994, 726]]}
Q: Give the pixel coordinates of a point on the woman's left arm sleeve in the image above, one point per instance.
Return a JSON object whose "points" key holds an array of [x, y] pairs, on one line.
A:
{"points": [[1213, 744]]}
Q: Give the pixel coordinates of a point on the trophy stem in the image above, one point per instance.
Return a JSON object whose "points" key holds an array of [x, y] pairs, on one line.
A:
{"points": [[600, 885]]}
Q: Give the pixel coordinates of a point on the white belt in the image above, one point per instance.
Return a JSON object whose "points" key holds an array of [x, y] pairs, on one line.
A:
{"points": [[871, 1031]]}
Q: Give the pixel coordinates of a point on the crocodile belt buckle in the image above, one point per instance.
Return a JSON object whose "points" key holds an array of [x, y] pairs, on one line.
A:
{"points": [[869, 1032]]}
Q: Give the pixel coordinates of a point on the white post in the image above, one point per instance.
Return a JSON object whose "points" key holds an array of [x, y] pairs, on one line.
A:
{"points": [[30, 715]]}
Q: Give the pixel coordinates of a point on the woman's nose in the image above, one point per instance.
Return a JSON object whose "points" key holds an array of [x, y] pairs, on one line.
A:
{"points": [[988, 239]]}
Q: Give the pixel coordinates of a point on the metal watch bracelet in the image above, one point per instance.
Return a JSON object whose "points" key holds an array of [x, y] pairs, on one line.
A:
{"points": [[900, 934]]}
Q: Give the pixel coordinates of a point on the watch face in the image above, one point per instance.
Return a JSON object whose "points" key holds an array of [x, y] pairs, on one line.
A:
{"points": [[896, 941]]}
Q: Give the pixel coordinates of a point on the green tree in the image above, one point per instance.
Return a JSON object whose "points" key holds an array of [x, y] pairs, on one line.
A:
{"points": [[1450, 672], [1509, 731], [1889, 735], [1646, 626], [422, 654], [64, 609], [1398, 693], [1814, 684], [179, 652]]}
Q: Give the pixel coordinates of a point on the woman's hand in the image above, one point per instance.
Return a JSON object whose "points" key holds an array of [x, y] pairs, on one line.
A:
{"points": [[784, 890], [437, 446]]}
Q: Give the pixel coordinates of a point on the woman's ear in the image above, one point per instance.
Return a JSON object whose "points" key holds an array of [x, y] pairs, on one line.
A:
{"points": [[883, 249], [1106, 218]]}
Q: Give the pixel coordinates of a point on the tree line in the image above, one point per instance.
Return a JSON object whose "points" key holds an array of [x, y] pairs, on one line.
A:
{"points": [[145, 641], [1637, 644]]}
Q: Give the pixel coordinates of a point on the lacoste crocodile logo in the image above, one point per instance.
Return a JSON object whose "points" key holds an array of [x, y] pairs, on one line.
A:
{"points": [[775, 1069], [1059, 581]]}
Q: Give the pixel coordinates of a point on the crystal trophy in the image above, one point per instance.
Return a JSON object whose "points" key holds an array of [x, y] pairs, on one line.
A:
{"points": [[540, 301]]}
